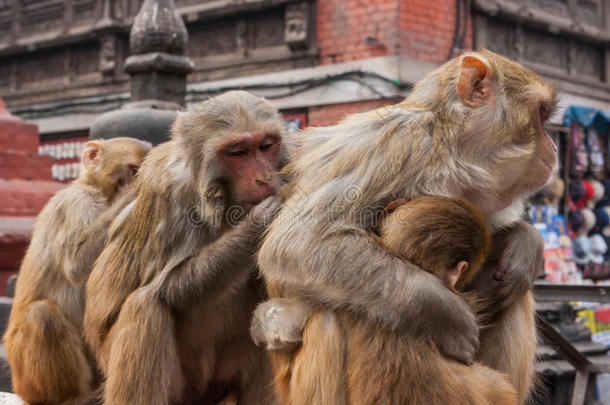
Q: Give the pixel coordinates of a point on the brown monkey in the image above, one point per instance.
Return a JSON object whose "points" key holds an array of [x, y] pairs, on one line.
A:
{"points": [[170, 298], [46, 351], [471, 129], [376, 366]]}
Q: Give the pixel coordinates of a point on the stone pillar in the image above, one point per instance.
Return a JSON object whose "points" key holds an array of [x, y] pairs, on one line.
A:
{"points": [[157, 68], [157, 65]]}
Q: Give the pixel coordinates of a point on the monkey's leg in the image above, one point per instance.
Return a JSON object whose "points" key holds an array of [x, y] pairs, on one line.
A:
{"points": [[48, 356], [318, 373], [509, 345], [257, 379], [141, 358], [281, 364]]}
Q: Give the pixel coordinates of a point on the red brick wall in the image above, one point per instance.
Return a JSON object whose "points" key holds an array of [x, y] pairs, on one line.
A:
{"points": [[332, 114], [343, 25], [418, 29], [428, 27]]}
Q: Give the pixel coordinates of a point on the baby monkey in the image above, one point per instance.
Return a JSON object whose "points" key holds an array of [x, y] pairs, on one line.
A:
{"points": [[443, 236]]}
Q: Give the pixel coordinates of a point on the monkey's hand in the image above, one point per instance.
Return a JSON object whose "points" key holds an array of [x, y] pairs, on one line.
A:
{"points": [[263, 214], [518, 262], [459, 338], [278, 323]]}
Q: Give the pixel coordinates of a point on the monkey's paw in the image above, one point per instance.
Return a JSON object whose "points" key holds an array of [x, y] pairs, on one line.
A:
{"points": [[278, 324], [521, 262], [263, 214]]}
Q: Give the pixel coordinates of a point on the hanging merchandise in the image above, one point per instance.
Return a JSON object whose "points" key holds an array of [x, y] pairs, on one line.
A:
{"points": [[598, 248], [596, 159], [577, 194], [581, 250], [580, 157], [589, 221], [589, 193], [601, 220], [576, 222], [598, 194]]}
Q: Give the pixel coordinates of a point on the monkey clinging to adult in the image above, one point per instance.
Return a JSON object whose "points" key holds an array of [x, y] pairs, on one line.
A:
{"points": [[49, 360], [471, 129], [171, 296], [377, 366]]}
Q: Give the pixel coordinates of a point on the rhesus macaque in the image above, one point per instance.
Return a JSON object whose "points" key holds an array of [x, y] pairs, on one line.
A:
{"points": [[49, 360], [377, 366], [471, 129], [170, 299]]}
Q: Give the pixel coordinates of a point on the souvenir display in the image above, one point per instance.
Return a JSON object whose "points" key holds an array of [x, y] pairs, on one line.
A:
{"points": [[579, 197]]}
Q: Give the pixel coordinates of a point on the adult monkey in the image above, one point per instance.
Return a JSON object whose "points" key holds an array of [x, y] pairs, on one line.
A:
{"points": [[48, 356], [170, 298], [471, 129]]}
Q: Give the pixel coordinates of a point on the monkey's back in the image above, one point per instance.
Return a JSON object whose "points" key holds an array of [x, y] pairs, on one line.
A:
{"points": [[47, 264], [385, 367], [359, 363]]}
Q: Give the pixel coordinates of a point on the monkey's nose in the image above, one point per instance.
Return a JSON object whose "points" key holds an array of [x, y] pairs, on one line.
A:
{"points": [[261, 182]]}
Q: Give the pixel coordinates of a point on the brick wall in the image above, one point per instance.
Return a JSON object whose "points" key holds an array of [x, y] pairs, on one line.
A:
{"points": [[343, 26], [428, 27], [332, 114], [418, 29]]}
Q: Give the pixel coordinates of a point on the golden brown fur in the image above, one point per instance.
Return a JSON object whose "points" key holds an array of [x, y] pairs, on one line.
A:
{"points": [[357, 363], [170, 298], [471, 129], [49, 359]]}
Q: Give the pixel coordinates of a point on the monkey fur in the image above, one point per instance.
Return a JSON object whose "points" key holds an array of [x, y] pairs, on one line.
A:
{"points": [[49, 360], [471, 129], [170, 299], [372, 365]]}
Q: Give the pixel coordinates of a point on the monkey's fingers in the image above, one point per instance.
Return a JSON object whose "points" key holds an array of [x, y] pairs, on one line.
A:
{"points": [[508, 290], [263, 214], [461, 349]]}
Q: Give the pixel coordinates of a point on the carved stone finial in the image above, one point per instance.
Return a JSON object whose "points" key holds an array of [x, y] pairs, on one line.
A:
{"points": [[158, 28], [157, 68]]}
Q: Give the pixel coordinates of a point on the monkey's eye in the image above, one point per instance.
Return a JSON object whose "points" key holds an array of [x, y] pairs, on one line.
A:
{"points": [[269, 142], [133, 170], [266, 146], [544, 113], [237, 152]]}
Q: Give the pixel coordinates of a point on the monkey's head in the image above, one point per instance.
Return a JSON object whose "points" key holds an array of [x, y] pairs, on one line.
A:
{"points": [[500, 108], [236, 145], [112, 165], [447, 237]]}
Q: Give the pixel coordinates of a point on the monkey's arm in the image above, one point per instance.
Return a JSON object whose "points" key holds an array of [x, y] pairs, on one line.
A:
{"points": [[513, 265], [215, 268], [347, 269]]}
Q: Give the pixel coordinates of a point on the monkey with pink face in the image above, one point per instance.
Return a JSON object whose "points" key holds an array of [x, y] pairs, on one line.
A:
{"points": [[170, 298], [471, 129]]}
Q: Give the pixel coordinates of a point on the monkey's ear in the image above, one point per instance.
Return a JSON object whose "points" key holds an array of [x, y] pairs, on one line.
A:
{"points": [[454, 273], [393, 205], [91, 153], [474, 85]]}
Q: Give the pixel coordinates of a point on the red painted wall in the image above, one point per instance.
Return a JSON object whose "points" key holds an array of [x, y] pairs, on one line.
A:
{"points": [[25, 187]]}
